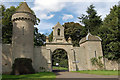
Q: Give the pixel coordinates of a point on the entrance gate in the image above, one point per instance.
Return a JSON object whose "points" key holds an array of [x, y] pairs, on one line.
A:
{"points": [[59, 42], [59, 60]]}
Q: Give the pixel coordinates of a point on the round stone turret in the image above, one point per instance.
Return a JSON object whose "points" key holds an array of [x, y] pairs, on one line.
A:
{"points": [[23, 32]]}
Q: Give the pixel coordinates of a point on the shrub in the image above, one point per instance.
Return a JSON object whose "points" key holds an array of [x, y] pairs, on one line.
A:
{"points": [[97, 62]]}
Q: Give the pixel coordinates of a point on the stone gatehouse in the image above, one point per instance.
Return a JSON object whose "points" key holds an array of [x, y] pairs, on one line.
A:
{"points": [[22, 45]]}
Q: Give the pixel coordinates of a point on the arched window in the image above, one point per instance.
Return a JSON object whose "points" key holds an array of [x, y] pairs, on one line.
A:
{"points": [[58, 32]]}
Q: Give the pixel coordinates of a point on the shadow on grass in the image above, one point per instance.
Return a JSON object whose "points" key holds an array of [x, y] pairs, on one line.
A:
{"points": [[37, 76]]}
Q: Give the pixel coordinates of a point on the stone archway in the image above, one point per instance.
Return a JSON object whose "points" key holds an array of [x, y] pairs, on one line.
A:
{"points": [[60, 57], [59, 42], [51, 47]]}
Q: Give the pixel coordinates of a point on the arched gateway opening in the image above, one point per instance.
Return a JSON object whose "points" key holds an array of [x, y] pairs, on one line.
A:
{"points": [[59, 60]]}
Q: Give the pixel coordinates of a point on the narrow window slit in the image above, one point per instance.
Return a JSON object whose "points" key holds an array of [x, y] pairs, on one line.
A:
{"points": [[23, 30], [95, 54]]}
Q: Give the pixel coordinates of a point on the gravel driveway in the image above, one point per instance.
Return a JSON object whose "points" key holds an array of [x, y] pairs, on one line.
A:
{"points": [[80, 76]]}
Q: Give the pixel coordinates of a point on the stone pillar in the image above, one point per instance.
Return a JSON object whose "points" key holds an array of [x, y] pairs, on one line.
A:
{"points": [[49, 60], [73, 60]]}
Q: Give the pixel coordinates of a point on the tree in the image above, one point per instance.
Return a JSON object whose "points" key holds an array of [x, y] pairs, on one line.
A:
{"points": [[75, 31], [39, 39], [51, 36], [108, 30], [7, 23], [110, 34], [91, 21]]}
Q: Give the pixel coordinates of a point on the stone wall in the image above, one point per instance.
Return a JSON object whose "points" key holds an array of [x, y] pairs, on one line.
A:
{"points": [[6, 58], [93, 49], [81, 58], [111, 65], [40, 59]]}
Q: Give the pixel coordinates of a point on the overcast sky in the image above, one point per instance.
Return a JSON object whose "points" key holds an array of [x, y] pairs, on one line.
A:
{"points": [[52, 11]]}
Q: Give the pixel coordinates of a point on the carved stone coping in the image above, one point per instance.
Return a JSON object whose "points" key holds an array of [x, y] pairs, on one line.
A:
{"points": [[58, 44]]}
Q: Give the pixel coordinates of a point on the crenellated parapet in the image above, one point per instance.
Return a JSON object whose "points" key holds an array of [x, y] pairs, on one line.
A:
{"points": [[24, 16]]}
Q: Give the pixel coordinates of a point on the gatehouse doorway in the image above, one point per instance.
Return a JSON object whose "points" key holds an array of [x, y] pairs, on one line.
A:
{"points": [[60, 60], [60, 52]]}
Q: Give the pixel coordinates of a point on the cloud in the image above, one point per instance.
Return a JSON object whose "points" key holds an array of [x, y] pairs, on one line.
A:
{"points": [[50, 5], [45, 16], [43, 8], [67, 17], [45, 27], [79, 8], [104, 9]]}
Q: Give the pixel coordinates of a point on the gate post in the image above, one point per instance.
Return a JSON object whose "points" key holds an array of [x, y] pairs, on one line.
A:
{"points": [[49, 60], [74, 60]]}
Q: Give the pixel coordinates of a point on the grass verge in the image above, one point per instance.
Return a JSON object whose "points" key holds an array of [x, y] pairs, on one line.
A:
{"points": [[99, 72], [59, 68], [37, 76]]}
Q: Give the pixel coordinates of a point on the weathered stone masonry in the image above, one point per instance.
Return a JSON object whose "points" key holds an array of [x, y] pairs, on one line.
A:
{"points": [[22, 45]]}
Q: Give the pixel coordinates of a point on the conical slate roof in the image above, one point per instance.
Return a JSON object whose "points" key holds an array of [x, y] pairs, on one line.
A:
{"points": [[90, 37], [24, 8]]}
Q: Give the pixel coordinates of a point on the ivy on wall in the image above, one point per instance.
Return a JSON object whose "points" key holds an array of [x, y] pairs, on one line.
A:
{"points": [[97, 62]]}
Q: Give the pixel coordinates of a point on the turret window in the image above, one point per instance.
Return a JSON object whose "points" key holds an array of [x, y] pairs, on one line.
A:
{"points": [[23, 30], [95, 54], [58, 32]]}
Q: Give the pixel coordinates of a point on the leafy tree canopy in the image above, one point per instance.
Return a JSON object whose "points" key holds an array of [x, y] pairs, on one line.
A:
{"points": [[91, 21], [110, 34]]}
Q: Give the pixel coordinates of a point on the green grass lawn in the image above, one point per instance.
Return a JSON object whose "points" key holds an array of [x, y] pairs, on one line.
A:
{"points": [[59, 68], [37, 76], [99, 72]]}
